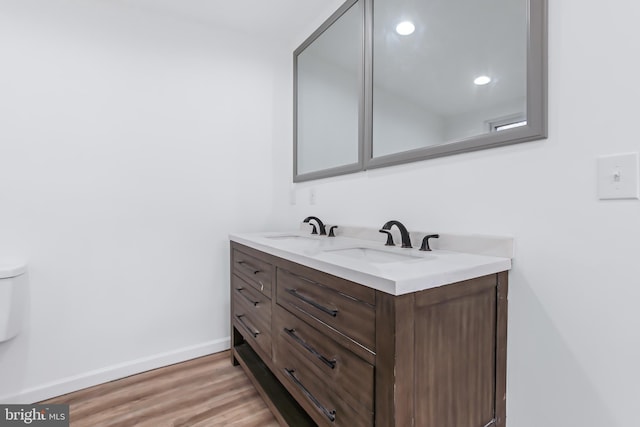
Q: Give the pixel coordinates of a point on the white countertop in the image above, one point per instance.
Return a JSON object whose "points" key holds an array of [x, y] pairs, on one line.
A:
{"points": [[390, 269]]}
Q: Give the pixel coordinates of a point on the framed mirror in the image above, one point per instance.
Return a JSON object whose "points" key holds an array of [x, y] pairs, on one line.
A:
{"points": [[384, 82], [328, 97], [451, 76]]}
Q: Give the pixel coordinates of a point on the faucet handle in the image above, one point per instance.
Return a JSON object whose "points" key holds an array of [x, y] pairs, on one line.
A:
{"points": [[333, 227], [425, 241], [389, 238], [314, 230]]}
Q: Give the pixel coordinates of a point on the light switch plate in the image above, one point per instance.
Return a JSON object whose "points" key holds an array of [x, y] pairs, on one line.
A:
{"points": [[618, 176]]}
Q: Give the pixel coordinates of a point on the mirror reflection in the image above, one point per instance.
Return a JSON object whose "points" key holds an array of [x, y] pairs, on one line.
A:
{"points": [[446, 70], [328, 91]]}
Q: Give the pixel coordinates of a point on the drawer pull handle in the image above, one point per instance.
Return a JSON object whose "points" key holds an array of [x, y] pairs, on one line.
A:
{"points": [[331, 415], [254, 303], [244, 325], [292, 333], [311, 302], [250, 268]]}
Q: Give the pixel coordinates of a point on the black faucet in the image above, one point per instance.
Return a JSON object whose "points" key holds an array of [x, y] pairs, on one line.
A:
{"points": [[323, 230], [404, 234], [425, 241]]}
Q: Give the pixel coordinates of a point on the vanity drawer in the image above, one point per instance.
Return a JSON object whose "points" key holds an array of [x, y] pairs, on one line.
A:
{"points": [[347, 375], [251, 314], [319, 397], [257, 305], [322, 305], [254, 270]]}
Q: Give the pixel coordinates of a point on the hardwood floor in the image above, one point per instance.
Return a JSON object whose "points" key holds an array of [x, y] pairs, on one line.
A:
{"points": [[207, 391]]}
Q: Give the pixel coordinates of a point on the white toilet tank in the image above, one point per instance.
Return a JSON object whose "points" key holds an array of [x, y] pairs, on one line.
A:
{"points": [[13, 296]]}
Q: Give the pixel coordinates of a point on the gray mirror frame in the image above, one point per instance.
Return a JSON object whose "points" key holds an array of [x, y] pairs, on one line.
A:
{"points": [[537, 110], [339, 170]]}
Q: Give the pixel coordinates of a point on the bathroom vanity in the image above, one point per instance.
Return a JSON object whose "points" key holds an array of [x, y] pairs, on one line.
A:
{"points": [[347, 332]]}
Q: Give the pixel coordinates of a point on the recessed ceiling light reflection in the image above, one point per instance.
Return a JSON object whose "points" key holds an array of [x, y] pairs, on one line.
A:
{"points": [[405, 28], [482, 80]]}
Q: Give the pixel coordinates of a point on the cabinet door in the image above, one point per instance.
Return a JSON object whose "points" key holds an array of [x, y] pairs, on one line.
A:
{"points": [[455, 357]]}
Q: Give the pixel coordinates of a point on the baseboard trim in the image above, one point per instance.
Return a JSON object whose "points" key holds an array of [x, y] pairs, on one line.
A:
{"points": [[115, 372]]}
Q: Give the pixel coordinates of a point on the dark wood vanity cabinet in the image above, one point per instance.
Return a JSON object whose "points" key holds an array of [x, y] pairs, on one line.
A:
{"points": [[325, 351]]}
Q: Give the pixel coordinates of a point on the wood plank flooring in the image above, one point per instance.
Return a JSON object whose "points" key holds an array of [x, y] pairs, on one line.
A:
{"points": [[207, 391]]}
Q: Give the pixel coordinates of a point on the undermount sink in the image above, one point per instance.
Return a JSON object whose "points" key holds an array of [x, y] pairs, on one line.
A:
{"points": [[373, 255], [294, 237], [296, 242]]}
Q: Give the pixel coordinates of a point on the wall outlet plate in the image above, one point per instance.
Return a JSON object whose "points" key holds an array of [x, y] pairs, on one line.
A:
{"points": [[618, 176]]}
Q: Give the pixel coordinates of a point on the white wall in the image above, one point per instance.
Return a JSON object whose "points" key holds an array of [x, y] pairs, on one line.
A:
{"points": [[574, 344], [131, 144]]}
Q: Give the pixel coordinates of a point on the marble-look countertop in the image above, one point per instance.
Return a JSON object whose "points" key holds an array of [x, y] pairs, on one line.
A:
{"points": [[359, 255]]}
